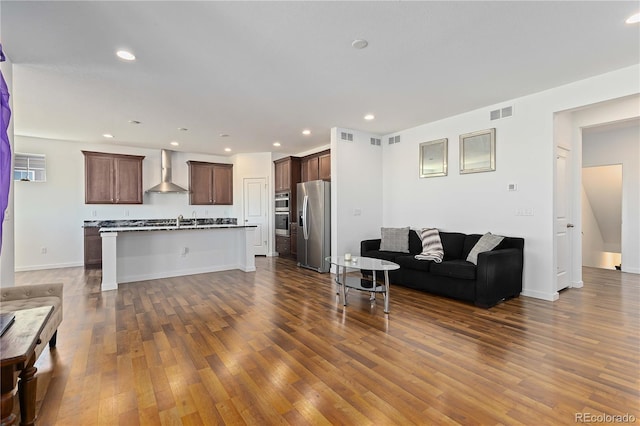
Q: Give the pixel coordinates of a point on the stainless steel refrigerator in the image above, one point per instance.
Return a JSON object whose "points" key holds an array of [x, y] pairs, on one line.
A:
{"points": [[314, 224]]}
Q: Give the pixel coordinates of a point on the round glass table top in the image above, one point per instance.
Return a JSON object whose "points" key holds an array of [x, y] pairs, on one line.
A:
{"points": [[358, 262]]}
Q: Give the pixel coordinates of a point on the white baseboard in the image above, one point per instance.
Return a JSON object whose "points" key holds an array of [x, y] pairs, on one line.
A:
{"points": [[551, 297], [577, 284], [180, 273], [48, 266], [631, 270]]}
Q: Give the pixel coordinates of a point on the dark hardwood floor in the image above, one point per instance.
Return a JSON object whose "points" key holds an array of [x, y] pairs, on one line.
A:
{"points": [[277, 347]]}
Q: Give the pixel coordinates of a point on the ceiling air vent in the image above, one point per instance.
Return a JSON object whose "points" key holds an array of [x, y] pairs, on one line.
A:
{"points": [[394, 139], [376, 142], [497, 114], [346, 136]]}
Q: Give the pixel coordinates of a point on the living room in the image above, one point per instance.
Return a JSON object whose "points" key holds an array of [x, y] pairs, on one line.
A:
{"points": [[381, 188]]}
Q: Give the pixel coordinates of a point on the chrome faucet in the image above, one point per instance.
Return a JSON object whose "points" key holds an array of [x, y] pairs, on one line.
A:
{"points": [[178, 221]]}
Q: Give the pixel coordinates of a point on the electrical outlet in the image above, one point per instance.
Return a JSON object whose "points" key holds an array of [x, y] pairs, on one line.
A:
{"points": [[126, 213], [94, 213], [43, 250]]}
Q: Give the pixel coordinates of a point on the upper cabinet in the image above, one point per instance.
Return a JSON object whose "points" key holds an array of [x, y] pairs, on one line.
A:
{"points": [[287, 173], [324, 166], [210, 183], [112, 178], [316, 166]]}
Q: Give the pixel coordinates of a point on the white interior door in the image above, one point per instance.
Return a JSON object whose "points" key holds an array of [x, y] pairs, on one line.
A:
{"points": [[255, 212], [563, 223]]}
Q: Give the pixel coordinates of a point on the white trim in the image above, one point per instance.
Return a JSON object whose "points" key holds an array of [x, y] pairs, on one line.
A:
{"points": [[49, 266], [577, 284], [551, 297]]}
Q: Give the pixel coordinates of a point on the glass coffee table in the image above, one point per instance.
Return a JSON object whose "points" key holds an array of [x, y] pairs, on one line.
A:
{"points": [[345, 283]]}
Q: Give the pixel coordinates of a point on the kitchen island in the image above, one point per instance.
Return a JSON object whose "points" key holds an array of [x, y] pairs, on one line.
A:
{"points": [[161, 250]]}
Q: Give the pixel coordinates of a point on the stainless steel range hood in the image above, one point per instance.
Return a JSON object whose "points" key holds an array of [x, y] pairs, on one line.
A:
{"points": [[166, 186]]}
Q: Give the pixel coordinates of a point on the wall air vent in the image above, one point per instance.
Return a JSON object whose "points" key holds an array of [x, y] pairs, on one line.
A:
{"points": [[497, 114], [394, 139], [346, 136], [376, 142]]}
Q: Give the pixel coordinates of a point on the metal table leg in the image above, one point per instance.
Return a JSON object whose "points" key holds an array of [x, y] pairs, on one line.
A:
{"points": [[386, 292]]}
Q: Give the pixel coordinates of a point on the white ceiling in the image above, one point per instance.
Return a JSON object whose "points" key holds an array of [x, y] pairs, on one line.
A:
{"points": [[264, 71]]}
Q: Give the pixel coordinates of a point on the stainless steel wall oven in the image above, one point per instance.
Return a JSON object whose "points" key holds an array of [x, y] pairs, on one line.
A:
{"points": [[282, 223], [282, 202]]}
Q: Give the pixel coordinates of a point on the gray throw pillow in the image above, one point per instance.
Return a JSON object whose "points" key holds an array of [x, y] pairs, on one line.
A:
{"points": [[395, 239], [486, 243]]}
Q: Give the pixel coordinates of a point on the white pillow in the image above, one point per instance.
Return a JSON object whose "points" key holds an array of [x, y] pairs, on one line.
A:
{"points": [[395, 239], [486, 243]]}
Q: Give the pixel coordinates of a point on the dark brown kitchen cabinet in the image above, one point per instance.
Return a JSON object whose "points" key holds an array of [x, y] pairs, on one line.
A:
{"points": [[316, 166], [210, 183], [92, 248], [112, 178], [310, 169], [283, 245], [287, 174], [324, 167]]}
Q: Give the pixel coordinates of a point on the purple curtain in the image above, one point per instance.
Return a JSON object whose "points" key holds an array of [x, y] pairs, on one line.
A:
{"points": [[5, 148]]}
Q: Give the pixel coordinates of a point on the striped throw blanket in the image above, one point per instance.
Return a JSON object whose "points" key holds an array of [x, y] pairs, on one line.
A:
{"points": [[431, 245]]}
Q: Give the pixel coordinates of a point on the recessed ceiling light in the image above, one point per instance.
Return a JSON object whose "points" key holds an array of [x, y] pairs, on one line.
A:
{"points": [[633, 19], [359, 44], [369, 117], [276, 144], [127, 56], [108, 135], [134, 122], [224, 135], [174, 143], [227, 149], [306, 132], [182, 129]]}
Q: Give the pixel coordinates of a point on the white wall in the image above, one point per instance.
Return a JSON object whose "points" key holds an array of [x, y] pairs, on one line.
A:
{"points": [[594, 252], [621, 146], [7, 256], [477, 203], [356, 191], [50, 214]]}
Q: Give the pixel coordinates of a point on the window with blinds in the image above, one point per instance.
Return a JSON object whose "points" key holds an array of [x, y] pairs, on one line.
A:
{"points": [[30, 167]]}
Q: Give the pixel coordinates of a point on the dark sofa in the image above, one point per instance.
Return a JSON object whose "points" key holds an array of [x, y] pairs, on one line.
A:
{"points": [[497, 276]]}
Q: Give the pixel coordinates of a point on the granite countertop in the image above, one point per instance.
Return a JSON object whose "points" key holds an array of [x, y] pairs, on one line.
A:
{"points": [[162, 224]]}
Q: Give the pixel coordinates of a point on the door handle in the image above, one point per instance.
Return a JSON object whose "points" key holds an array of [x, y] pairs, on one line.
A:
{"points": [[570, 225]]}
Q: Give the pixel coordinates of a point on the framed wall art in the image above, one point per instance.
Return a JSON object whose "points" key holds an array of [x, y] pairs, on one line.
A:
{"points": [[433, 158], [478, 151]]}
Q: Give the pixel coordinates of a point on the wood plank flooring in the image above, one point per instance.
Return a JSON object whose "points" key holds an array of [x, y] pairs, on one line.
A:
{"points": [[277, 347]]}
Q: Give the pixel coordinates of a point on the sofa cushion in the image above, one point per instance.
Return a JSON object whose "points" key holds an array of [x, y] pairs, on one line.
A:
{"points": [[452, 243], [486, 243], [410, 262], [395, 239], [470, 240], [415, 243], [455, 269], [379, 254]]}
